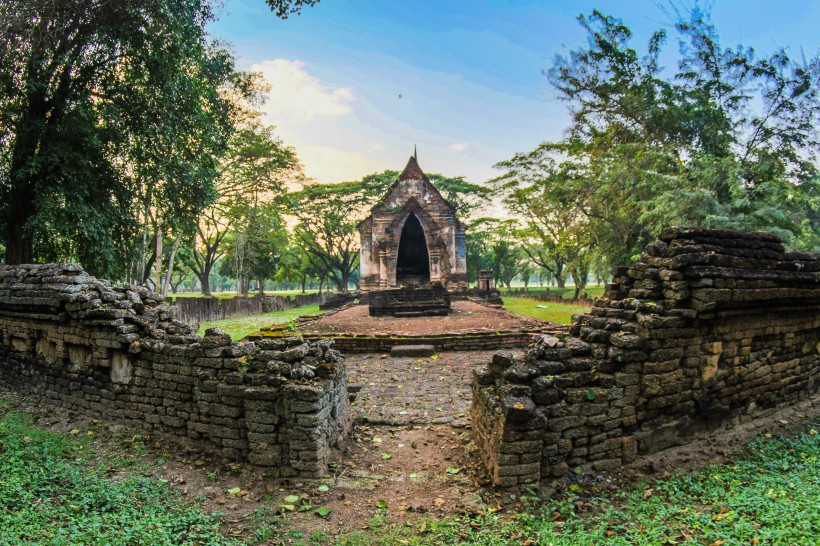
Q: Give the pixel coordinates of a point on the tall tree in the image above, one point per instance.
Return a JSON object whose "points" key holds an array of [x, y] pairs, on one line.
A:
{"points": [[729, 140], [94, 95], [253, 174], [107, 107], [478, 243], [257, 248], [508, 261], [548, 222], [326, 218]]}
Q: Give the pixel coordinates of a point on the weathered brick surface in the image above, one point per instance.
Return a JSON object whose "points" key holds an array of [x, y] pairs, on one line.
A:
{"points": [[709, 329], [118, 353]]}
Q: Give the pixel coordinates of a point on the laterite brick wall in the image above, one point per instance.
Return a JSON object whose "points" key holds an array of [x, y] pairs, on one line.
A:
{"points": [[709, 329], [118, 353]]}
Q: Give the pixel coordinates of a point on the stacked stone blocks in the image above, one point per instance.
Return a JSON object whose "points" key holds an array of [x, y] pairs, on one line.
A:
{"points": [[709, 329], [119, 353]]}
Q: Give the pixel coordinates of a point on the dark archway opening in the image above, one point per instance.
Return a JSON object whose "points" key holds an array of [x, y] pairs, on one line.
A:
{"points": [[413, 263]]}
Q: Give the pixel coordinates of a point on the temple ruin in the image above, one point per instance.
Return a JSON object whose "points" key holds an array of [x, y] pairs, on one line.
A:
{"points": [[412, 238]]}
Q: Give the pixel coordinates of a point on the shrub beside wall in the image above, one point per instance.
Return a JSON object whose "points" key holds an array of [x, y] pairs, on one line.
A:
{"points": [[709, 329], [118, 353]]}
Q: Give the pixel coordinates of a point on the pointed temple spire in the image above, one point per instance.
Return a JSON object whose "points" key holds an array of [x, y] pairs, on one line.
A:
{"points": [[412, 171]]}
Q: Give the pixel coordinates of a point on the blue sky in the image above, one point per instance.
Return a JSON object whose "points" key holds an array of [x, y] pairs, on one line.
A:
{"points": [[357, 83]]}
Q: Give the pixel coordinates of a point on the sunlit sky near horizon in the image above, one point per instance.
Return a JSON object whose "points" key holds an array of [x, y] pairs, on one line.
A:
{"points": [[357, 83]]}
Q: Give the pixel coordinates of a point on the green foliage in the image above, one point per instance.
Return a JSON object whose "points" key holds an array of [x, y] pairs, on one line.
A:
{"points": [[477, 242], [549, 227], [52, 493], [245, 222], [285, 8], [506, 258], [105, 105], [326, 216], [256, 248], [113, 116], [297, 267], [729, 140]]}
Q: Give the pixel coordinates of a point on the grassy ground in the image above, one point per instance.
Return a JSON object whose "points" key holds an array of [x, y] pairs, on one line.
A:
{"points": [[240, 327], [57, 490], [559, 313], [770, 496], [76, 489]]}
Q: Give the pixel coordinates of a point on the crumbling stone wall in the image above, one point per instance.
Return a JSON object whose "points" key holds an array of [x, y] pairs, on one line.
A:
{"points": [[709, 329], [118, 353]]}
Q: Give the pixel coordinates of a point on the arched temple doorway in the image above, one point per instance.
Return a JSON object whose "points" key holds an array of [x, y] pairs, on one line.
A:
{"points": [[413, 260]]}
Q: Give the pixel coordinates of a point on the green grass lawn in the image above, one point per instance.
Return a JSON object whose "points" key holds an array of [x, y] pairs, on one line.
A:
{"points": [[55, 489], [560, 313], [240, 327]]}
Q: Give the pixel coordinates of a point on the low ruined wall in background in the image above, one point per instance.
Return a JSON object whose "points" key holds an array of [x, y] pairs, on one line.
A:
{"points": [[118, 353], [210, 309], [709, 329]]}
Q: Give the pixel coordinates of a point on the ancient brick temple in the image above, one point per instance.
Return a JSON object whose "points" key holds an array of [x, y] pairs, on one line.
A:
{"points": [[412, 237]]}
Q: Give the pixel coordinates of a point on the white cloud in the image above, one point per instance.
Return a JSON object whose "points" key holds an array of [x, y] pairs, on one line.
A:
{"points": [[297, 97], [324, 163], [458, 147]]}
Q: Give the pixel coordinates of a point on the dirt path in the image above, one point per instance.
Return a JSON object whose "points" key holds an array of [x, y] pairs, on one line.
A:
{"points": [[406, 391]]}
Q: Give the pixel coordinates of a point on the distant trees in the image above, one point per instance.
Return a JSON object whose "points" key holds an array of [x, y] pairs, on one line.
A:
{"points": [[129, 142], [326, 217], [245, 221]]}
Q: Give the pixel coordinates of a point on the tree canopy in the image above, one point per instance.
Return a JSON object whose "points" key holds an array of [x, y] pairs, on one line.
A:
{"points": [[726, 139], [113, 115]]}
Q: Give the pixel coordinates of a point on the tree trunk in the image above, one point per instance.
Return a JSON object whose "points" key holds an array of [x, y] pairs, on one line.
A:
{"points": [[170, 272], [19, 241], [205, 280], [19, 207], [158, 260]]}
